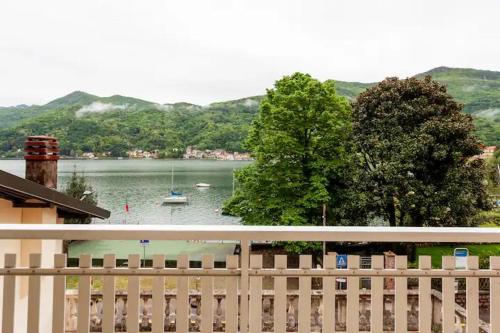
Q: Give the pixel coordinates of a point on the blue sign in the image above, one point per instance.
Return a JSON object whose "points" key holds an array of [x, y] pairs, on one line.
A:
{"points": [[461, 258], [144, 242], [341, 261]]}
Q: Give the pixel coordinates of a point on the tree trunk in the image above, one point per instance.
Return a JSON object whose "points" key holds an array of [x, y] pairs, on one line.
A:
{"points": [[391, 211]]}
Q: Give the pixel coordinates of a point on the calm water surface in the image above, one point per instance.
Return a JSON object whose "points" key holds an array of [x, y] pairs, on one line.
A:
{"points": [[144, 183]]}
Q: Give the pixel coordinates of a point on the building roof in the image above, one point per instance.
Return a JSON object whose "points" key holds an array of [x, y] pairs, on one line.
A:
{"points": [[22, 192]]}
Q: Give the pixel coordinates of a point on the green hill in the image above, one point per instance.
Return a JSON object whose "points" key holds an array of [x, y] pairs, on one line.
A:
{"points": [[479, 90], [10, 116], [85, 122]]}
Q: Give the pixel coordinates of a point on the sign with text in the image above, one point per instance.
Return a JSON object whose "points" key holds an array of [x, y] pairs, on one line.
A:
{"points": [[144, 242]]}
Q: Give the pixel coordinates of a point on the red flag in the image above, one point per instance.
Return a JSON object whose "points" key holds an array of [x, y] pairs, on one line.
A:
{"points": [[126, 207]]}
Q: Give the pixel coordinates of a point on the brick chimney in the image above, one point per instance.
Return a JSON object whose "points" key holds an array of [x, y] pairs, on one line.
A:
{"points": [[41, 155]]}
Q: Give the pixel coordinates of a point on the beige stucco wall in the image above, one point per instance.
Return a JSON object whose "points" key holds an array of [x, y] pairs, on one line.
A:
{"points": [[23, 248]]}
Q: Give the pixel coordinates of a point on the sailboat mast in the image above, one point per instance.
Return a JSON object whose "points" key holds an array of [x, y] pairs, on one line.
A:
{"points": [[172, 181], [233, 182]]}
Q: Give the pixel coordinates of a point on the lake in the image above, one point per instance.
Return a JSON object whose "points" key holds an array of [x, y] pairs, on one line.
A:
{"points": [[144, 183]]}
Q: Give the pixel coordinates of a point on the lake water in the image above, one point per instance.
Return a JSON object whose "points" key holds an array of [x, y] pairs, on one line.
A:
{"points": [[144, 183]]}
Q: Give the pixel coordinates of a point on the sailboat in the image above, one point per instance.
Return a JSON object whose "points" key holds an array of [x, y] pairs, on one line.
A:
{"points": [[175, 197]]}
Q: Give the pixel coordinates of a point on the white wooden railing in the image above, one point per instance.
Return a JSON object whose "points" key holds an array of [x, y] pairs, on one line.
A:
{"points": [[244, 274]]}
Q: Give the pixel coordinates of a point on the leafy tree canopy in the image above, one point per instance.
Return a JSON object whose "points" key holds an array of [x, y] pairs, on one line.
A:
{"points": [[298, 140], [417, 148]]}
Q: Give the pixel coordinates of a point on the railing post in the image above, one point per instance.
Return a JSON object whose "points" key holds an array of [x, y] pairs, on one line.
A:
{"points": [[9, 295], [255, 308], [182, 315], [329, 286], [401, 297], [245, 260], [448, 303], [495, 297], [134, 263], [108, 323], [59, 292], [207, 296], [34, 295], [305, 263], [157, 326], [231, 296], [424, 296], [280, 297], [352, 314], [377, 296], [83, 325], [472, 300]]}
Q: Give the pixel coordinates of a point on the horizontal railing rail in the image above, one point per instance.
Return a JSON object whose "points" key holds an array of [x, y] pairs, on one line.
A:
{"points": [[250, 233], [96, 271]]}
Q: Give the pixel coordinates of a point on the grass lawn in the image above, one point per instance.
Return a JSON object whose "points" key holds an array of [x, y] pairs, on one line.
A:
{"points": [[490, 219], [484, 251]]}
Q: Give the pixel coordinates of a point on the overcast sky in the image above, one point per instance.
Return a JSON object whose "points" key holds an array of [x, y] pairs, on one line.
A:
{"points": [[206, 51]]}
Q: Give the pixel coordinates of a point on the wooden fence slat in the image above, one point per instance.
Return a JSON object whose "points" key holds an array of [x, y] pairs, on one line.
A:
{"points": [[280, 298], [9, 295], [232, 296], [377, 297], [448, 302], [401, 297], [59, 295], [352, 313], [472, 300], [108, 296], [255, 315], [329, 285], [35, 261], [158, 324], [244, 281], [424, 296], [133, 294], [495, 297], [182, 308], [207, 296], [83, 324], [305, 263]]}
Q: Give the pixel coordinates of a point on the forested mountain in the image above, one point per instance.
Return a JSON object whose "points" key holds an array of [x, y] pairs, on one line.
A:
{"points": [[10, 116], [85, 122], [169, 128]]}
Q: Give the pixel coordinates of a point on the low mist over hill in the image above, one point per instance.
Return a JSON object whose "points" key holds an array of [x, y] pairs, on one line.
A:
{"points": [[86, 122]]}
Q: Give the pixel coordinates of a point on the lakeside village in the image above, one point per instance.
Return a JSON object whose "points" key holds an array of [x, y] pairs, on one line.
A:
{"points": [[191, 154]]}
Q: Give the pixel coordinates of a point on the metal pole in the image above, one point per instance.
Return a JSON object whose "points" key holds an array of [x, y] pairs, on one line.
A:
{"points": [[324, 225], [498, 168], [233, 182], [144, 256]]}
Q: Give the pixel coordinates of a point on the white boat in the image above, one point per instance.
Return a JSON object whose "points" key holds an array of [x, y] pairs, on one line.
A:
{"points": [[175, 197], [202, 185]]}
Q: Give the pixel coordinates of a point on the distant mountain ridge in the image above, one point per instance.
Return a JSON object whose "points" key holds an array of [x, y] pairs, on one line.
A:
{"points": [[136, 123]]}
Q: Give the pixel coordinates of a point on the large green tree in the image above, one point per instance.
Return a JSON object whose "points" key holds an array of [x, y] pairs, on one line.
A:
{"points": [[298, 142], [418, 151]]}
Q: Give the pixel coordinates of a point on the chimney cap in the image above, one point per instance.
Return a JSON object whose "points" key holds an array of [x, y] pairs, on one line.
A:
{"points": [[41, 148]]}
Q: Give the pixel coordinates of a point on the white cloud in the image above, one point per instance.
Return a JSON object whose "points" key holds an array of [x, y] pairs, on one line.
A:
{"points": [[99, 107], [213, 50]]}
